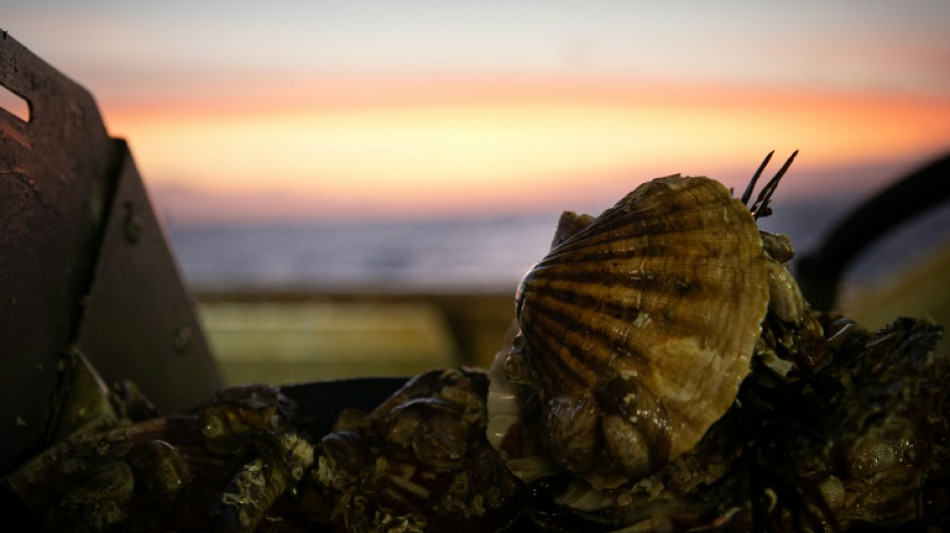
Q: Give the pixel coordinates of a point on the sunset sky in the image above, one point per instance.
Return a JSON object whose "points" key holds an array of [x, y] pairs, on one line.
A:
{"points": [[369, 108]]}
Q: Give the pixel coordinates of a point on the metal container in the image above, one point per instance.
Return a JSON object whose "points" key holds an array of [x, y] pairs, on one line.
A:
{"points": [[84, 263]]}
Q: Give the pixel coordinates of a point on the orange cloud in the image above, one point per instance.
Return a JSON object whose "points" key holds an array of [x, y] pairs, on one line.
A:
{"points": [[431, 141]]}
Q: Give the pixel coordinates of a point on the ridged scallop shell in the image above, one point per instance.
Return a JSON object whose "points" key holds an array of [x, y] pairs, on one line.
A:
{"points": [[640, 324]]}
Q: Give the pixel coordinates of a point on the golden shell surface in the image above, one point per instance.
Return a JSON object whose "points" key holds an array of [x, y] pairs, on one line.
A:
{"points": [[645, 319]]}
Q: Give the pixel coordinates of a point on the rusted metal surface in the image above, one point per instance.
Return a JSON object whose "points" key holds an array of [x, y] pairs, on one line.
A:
{"points": [[82, 262], [55, 178], [139, 321]]}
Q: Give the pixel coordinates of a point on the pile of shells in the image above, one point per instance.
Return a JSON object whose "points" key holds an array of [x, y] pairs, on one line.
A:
{"points": [[664, 374], [220, 467]]}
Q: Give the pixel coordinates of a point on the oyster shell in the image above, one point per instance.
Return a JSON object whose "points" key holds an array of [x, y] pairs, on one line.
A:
{"points": [[637, 328], [418, 462], [220, 467]]}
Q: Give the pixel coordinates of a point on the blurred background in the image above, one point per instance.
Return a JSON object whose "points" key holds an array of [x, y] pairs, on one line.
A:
{"points": [[355, 188]]}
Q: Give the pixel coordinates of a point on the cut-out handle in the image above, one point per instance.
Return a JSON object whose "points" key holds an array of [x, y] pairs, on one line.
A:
{"points": [[14, 104]]}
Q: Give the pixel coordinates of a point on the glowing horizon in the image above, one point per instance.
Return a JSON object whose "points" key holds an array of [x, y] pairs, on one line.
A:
{"points": [[525, 142]]}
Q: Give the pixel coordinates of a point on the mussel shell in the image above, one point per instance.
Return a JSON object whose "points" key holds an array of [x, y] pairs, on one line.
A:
{"points": [[652, 309]]}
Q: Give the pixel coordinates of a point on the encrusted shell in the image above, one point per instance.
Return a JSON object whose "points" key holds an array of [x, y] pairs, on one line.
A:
{"points": [[418, 462], [639, 325]]}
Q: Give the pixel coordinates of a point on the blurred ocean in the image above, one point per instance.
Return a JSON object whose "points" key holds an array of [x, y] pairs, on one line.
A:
{"points": [[466, 255]]}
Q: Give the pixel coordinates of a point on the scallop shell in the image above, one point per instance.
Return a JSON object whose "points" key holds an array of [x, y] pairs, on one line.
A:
{"points": [[640, 325]]}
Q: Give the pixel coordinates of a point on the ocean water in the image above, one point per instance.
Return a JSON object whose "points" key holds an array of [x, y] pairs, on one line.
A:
{"points": [[471, 254], [398, 255]]}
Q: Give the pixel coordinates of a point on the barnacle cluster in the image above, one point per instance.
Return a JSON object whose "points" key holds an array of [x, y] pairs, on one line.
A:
{"points": [[638, 327], [419, 461], [219, 467]]}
